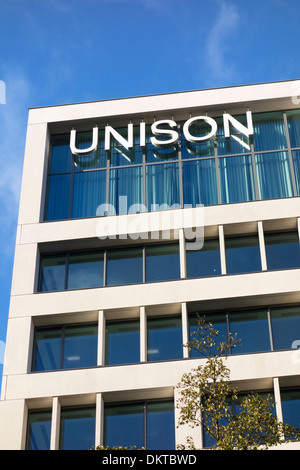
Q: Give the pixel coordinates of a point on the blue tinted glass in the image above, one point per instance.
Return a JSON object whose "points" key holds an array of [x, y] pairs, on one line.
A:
{"points": [[53, 273], [296, 163], [162, 262], [124, 266], [39, 430], [119, 155], [204, 262], [77, 428], [294, 127], [290, 402], [80, 346], [200, 149], [236, 143], [89, 190], [156, 154], [269, 131], [47, 349], [164, 339], [122, 342], [242, 254], [160, 426], [236, 179], [97, 159], [219, 323], [199, 182], [85, 270], [124, 425], [125, 190], [252, 329], [58, 199], [162, 186], [285, 326], [61, 156], [273, 175], [282, 250]]}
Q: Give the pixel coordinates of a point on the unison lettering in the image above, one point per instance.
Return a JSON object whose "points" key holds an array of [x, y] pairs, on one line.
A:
{"points": [[170, 134]]}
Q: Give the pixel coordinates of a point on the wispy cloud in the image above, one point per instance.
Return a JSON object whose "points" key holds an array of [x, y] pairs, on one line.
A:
{"points": [[219, 42]]}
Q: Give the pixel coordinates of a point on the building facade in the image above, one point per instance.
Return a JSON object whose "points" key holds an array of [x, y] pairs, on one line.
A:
{"points": [[135, 215]]}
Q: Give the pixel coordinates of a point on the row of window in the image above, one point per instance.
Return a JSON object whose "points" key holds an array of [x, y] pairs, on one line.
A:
{"points": [[150, 425], [76, 346], [216, 172], [161, 262]]}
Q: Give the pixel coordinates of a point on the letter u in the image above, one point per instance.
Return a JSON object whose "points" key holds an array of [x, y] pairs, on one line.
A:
{"points": [[92, 148]]}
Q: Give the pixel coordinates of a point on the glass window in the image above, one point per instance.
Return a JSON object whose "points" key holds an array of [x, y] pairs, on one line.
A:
{"points": [[47, 349], [242, 254], [125, 190], [85, 270], [282, 250], [236, 179], [252, 328], [236, 143], [39, 430], [164, 339], [160, 426], [273, 175], [58, 197], [294, 127], [122, 344], [162, 262], [77, 428], [80, 346], [199, 182], [290, 402], [53, 273], [124, 266], [162, 186], [269, 131], [285, 326], [205, 262], [200, 149], [296, 163], [219, 322], [89, 192], [61, 156]]}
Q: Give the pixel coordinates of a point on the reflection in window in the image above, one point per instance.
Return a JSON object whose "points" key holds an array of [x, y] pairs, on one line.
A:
{"points": [[162, 186], [85, 270], [252, 328], [282, 250], [148, 425], [285, 326], [242, 254], [204, 262], [164, 339], [39, 430], [124, 266], [219, 322], [273, 175], [269, 131], [122, 343], [162, 262], [77, 428], [199, 182], [53, 273], [290, 402], [236, 179]]}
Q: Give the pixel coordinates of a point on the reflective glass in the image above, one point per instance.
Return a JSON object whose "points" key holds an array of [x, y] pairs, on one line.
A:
{"points": [[296, 164], [97, 159], [285, 327], [125, 190], [252, 329], [242, 254], [236, 179], [124, 266], [199, 182], [61, 156], [58, 197], [282, 250], [162, 262], [237, 142], [290, 403], [200, 149], [85, 270], [53, 273], [160, 426], [89, 192], [219, 322], [47, 349], [269, 131], [294, 127], [122, 344], [77, 428], [119, 155], [80, 346], [124, 425], [205, 262], [162, 186], [273, 175], [39, 430], [164, 339]]}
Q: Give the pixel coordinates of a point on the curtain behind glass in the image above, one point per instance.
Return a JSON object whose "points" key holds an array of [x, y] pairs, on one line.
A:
{"points": [[273, 175], [162, 186], [89, 190], [236, 179], [199, 182], [125, 190], [269, 132]]}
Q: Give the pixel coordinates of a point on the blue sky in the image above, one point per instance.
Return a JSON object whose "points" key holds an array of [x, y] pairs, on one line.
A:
{"points": [[65, 51]]}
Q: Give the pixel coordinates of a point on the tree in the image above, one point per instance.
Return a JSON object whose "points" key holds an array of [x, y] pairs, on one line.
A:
{"points": [[208, 399]]}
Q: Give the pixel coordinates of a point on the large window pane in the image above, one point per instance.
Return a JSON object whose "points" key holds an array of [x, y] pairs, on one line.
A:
{"points": [[53, 273], [61, 156], [122, 344], [219, 322], [296, 163], [89, 192], [273, 175], [126, 190], [160, 426], [58, 197], [162, 262], [252, 329], [242, 254], [205, 262], [285, 326], [47, 349], [236, 143], [294, 127], [124, 266], [199, 182], [164, 339], [85, 270], [80, 346], [282, 250], [162, 186], [77, 428], [124, 425], [39, 430], [236, 179], [269, 131], [290, 402]]}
